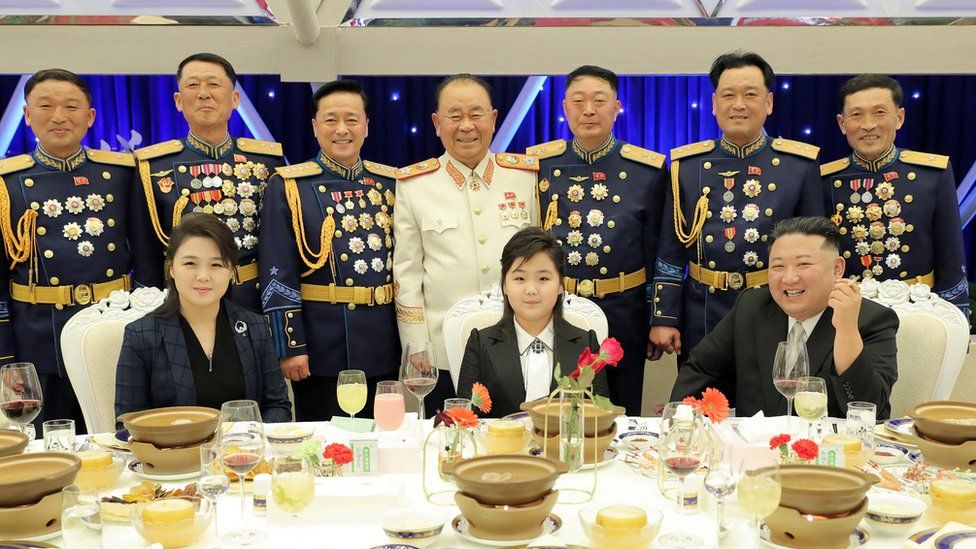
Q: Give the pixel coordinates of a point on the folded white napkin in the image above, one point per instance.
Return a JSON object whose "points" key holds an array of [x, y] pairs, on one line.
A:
{"points": [[758, 429]]}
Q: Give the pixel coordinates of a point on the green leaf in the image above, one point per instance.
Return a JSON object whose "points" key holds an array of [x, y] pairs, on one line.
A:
{"points": [[602, 402], [586, 376]]}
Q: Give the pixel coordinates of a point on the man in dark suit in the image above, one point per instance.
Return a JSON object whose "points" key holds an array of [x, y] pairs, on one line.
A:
{"points": [[850, 341]]}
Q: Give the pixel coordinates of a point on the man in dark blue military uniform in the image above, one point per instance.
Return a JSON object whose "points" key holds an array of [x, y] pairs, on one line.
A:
{"points": [[209, 171], [326, 259], [725, 196], [602, 199], [896, 209], [64, 217]]}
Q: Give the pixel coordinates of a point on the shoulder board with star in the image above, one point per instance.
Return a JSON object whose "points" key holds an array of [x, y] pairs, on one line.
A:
{"points": [[380, 169], [644, 156], [692, 149], [517, 161], [548, 149], [110, 157], [796, 147], [257, 146], [420, 168], [296, 171], [159, 149], [834, 167], [924, 159], [16, 163]]}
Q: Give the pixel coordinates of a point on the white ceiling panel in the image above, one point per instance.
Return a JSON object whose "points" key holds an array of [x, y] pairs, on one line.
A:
{"points": [[818, 6], [29, 3], [461, 6], [946, 4], [617, 4]]}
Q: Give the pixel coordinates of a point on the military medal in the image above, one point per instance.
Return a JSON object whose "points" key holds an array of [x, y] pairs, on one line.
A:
{"points": [[729, 184], [525, 213], [728, 213], [504, 214], [867, 197], [544, 185], [892, 208], [752, 188], [729, 235], [195, 183], [348, 203], [755, 170], [750, 259], [889, 176], [362, 201], [856, 187], [226, 170]]}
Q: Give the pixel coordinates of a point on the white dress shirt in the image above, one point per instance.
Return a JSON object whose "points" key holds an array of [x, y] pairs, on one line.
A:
{"points": [[534, 377]]}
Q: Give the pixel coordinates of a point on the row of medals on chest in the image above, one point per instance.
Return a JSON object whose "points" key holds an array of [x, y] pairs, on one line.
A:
{"points": [[344, 203], [751, 188], [73, 231], [883, 237]]}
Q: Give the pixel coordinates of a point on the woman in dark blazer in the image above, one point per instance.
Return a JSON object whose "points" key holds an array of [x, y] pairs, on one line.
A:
{"points": [[496, 357], [198, 348]]}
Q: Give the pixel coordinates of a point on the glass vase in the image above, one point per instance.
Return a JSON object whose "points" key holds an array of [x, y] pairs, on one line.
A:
{"points": [[571, 415], [453, 443]]}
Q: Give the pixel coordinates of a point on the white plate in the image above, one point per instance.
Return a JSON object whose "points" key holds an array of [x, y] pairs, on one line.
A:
{"points": [[608, 457], [901, 426], [962, 539], [637, 440], [136, 467], [898, 454], [644, 462], [460, 525], [858, 538]]}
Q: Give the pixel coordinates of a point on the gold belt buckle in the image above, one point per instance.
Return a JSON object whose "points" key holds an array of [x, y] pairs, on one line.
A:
{"points": [[379, 295], [82, 294], [736, 281], [585, 288]]}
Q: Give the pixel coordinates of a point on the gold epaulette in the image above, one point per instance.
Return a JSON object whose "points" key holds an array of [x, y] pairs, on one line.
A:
{"points": [[110, 157], [925, 159], [692, 149], [796, 147], [16, 163], [257, 146], [517, 161], [834, 167], [295, 171], [548, 149], [420, 168], [380, 169], [159, 149], [644, 156]]}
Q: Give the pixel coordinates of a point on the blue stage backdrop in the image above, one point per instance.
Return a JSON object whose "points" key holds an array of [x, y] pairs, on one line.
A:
{"points": [[658, 112]]}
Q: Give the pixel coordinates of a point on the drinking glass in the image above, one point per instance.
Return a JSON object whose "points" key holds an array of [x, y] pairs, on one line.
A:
{"points": [[81, 517], [419, 371], [683, 452], [759, 488], [20, 394], [59, 435], [292, 484], [861, 417], [811, 400], [241, 440], [213, 481], [451, 403], [720, 483], [351, 391], [388, 407], [791, 363]]}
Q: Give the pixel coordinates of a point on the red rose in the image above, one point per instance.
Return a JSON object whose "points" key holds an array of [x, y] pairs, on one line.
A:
{"points": [[778, 441], [611, 350], [585, 359], [340, 454], [576, 372], [806, 449]]}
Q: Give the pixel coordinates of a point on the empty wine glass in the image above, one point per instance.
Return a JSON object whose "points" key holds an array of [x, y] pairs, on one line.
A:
{"points": [[811, 400], [791, 363], [720, 483], [420, 371], [241, 440], [213, 481], [20, 394], [351, 391]]}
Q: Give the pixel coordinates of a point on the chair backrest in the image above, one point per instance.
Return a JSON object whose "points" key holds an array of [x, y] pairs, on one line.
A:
{"points": [[485, 309], [932, 339], [90, 345]]}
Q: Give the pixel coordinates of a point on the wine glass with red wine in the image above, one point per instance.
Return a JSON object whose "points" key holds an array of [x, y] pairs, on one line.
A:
{"points": [[790, 364], [20, 396], [241, 441], [419, 371], [683, 452]]}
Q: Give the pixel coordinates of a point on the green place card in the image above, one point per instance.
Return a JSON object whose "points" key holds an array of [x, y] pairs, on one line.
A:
{"points": [[353, 425]]}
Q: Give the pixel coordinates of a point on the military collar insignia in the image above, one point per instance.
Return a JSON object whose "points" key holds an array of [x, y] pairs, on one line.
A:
{"points": [[458, 170], [876, 165], [591, 157], [744, 151], [206, 149], [345, 172], [61, 164]]}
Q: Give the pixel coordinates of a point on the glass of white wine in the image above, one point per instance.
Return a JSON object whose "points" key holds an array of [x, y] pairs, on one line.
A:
{"points": [[292, 484], [720, 483], [213, 481], [759, 489], [790, 364], [811, 400], [351, 391]]}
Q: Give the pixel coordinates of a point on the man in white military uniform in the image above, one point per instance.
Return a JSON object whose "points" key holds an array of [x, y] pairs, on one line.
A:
{"points": [[453, 216]]}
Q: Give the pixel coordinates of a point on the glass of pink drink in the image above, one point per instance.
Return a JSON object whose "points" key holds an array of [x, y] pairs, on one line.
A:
{"points": [[388, 408]]}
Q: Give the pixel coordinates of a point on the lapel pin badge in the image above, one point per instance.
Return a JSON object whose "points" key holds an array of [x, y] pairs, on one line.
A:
{"points": [[240, 327]]}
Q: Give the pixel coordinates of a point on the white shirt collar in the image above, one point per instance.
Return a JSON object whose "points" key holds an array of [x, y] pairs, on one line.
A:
{"points": [[808, 325], [547, 336]]}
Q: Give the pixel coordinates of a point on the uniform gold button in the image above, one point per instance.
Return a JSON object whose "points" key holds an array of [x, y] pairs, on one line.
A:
{"points": [[344, 257], [484, 268], [477, 211], [611, 224], [383, 208], [657, 300], [837, 183], [764, 238], [290, 330], [711, 290], [707, 165], [110, 222], [905, 248], [557, 173], [603, 270], [182, 169], [903, 274], [55, 280], [776, 162], [911, 176], [109, 272], [847, 253], [706, 190], [558, 221], [622, 175], [106, 175], [709, 238], [606, 249], [111, 246], [481, 240], [657, 313], [840, 207], [910, 227], [759, 264], [708, 214], [321, 188], [352, 306], [29, 182], [349, 282], [771, 187], [48, 254], [291, 315], [711, 264], [616, 199], [41, 231], [769, 212], [843, 230], [58, 306], [909, 198], [660, 286], [109, 198], [389, 278], [293, 342], [35, 205], [185, 192], [338, 234], [555, 197]]}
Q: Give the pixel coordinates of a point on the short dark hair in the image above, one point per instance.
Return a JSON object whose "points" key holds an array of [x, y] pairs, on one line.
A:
{"points": [[523, 246], [596, 72], [57, 74], [208, 58], [339, 86], [738, 59], [202, 225], [462, 77], [810, 226], [866, 82]]}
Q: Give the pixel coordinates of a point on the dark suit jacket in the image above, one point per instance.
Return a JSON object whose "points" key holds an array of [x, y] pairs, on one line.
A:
{"points": [[492, 358], [154, 368], [739, 354]]}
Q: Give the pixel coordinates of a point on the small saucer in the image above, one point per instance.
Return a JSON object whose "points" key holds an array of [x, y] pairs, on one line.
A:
{"points": [[608, 457], [922, 536], [859, 537], [638, 440], [551, 525], [136, 467], [963, 538]]}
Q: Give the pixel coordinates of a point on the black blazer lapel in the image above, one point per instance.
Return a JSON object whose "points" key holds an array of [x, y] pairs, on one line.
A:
{"points": [[820, 346], [243, 332], [502, 350], [567, 348], [771, 331], [184, 387]]}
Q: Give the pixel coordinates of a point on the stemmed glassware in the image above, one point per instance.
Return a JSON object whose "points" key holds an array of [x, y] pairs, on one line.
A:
{"points": [[420, 371], [292, 484], [241, 440], [20, 395], [759, 488], [351, 391], [791, 363], [388, 408], [683, 452], [811, 400], [720, 483], [213, 481]]}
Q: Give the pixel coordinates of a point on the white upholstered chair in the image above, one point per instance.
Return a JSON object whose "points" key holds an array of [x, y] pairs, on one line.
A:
{"points": [[933, 337], [485, 309], [90, 345]]}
